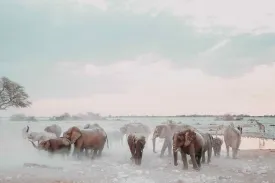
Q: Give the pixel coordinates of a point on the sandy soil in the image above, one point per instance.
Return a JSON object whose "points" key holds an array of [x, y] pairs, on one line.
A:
{"points": [[21, 163], [255, 166]]}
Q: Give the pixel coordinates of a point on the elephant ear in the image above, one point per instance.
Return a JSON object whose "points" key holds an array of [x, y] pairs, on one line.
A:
{"points": [[76, 134], [65, 141]]}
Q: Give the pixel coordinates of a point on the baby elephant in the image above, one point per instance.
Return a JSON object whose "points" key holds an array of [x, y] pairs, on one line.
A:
{"points": [[217, 144], [136, 145], [60, 145]]}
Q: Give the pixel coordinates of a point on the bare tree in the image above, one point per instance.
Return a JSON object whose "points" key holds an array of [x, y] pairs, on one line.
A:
{"points": [[12, 95]]}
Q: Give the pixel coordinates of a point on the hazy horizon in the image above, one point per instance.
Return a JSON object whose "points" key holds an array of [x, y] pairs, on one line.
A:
{"points": [[140, 57]]}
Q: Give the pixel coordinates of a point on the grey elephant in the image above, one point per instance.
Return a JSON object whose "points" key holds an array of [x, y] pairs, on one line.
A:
{"points": [[164, 131], [37, 136], [56, 129], [208, 139], [232, 138], [217, 145], [188, 142], [115, 136], [140, 128]]}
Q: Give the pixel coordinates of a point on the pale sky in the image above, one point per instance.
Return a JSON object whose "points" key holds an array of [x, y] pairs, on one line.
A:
{"points": [[140, 57]]}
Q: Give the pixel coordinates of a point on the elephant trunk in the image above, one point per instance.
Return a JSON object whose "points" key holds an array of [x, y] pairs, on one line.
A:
{"points": [[175, 153], [35, 146], [154, 144], [107, 141]]}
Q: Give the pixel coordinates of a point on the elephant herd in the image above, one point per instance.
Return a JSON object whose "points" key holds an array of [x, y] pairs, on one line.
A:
{"points": [[177, 137]]}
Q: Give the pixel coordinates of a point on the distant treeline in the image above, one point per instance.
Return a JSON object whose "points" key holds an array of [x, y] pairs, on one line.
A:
{"points": [[96, 116], [63, 117], [194, 115]]}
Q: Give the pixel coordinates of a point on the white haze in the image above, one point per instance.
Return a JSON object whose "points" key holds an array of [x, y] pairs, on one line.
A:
{"points": [[114, 165]]}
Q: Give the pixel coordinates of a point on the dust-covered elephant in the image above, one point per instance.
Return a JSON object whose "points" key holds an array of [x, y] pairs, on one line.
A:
{"points": [[232, 138], [136, 144], [58, 145], [191, 143], [217, 145], [86, 139], [139, 128], [56, 129], [115, 137], [165, 132], [37, 136], [208, 144], [95, 127]]}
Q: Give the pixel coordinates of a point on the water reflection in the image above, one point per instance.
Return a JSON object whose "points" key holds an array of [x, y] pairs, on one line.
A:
{"points": [[254, 143]]}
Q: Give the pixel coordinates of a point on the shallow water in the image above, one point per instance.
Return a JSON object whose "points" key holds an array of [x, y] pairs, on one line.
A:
{"points": [[113, 166]]}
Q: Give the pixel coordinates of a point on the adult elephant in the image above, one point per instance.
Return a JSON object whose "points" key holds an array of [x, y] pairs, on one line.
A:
{"points": [[86, 139], [208, 139], [56, 129], [95, 127], [59, 145], [232, 138], [115, 136], [188, 142], [37, 136], [139, 128], [165, 132], [136, 143]]}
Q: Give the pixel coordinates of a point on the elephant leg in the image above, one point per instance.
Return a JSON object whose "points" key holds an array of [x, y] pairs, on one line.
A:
{"points": [[87, 152], [219, 152], [94, 153], [76, 152], [209, 154], [215, 152], [203, 157], [164, 146], [184, 160], [227, 150], [198, 157], [169, 148], [132, 152], [234, 153], [100, 151], [193, 157]]}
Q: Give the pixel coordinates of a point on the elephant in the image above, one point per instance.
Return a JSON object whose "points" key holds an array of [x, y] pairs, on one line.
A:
{"points": [[56, 129], [166, 131], [59, 145], [163, 131], [232, 138], [115, 136], [95, 127], [217, 144], [37, 136], [89, 126], [135, 128], [208, 139], [136, 143], [86, 139], [188, 142]]}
